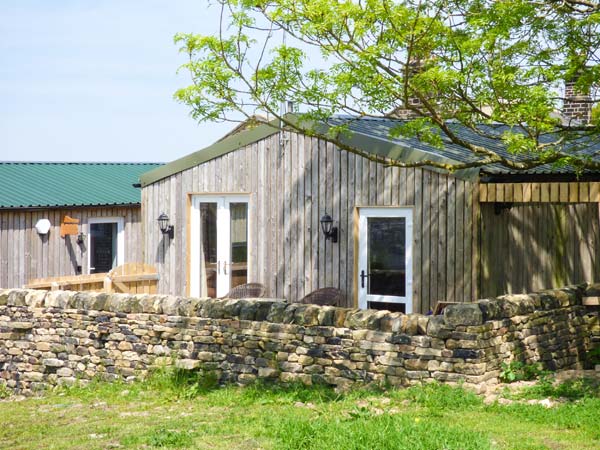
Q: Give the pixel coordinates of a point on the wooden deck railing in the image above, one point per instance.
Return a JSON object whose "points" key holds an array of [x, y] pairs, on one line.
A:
{"points": [[130, 278]]}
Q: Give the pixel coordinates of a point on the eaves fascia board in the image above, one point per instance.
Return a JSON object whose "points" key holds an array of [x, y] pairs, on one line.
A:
{"points": [[213, 151], [69, 206]]}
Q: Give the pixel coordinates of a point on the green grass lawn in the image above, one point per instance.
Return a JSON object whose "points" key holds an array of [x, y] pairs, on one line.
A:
{"points": [[170, 411]]}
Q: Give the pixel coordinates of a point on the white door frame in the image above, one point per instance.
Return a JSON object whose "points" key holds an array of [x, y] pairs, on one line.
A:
{"points": [[223, 239], [363, 214], [120, 238]]}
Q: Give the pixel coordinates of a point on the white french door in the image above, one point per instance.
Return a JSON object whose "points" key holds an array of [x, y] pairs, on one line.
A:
{"points": [[385, 259], [219, 244]]}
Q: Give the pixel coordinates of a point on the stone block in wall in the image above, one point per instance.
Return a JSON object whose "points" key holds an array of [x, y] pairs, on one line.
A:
{"points": [[411, 324], [187, 364], [360, 318], [169, 305], [188, 306], [515, 305], [307, 315], [591, 290], [422, 324], [115, 303], [463, 314], [289, 312], [20, 326], [4, 296], [35, 298], [326, 316], [251, 309], [277, 312], [391, 322], [57, 299], [340, 317], [17, 297], [436, 327]]}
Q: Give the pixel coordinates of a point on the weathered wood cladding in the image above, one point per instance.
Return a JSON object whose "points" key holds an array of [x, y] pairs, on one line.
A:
{"points": [[532, 246], [568, 192], [25, 255], [292, 186]]}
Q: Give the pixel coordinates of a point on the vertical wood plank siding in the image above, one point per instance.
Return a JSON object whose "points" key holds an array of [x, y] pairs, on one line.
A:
{"points": [[533, 246], [291, 185], [25, 255]]}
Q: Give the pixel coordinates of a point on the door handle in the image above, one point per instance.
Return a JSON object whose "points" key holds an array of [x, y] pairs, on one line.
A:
{"points": [[218, 267], [224, 268], [363, 275]]}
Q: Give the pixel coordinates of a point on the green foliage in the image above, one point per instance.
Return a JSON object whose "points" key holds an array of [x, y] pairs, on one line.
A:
{"points": [[594, 356], [519, 371], [366, 431], [291, 392], [164, 438], [438, 396], [152, 414], [595, 119], [160, 437], [571, 389], [4, 391], [182, 382], [471, 62]]}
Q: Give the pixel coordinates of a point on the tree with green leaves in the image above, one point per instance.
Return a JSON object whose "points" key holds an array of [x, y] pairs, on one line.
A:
{"points": [[495, 67]]}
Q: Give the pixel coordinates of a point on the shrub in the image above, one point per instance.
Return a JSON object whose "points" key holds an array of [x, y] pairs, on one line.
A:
{"points": [[518, 371]]}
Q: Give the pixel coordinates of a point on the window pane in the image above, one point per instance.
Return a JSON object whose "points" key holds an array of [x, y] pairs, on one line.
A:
{"points": [[103, 247], [239, 243], [208, 250], [386, 256]]}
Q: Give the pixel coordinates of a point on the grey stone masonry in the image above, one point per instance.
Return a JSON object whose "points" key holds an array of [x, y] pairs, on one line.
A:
{"points": [[64, 337]]}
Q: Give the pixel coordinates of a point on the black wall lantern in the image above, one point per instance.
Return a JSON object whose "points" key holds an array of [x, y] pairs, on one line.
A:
{"points": [[329, 230], [165, 228]]}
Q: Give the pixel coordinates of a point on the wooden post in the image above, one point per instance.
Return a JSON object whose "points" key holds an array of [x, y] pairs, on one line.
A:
{"points": [[107, 286]]}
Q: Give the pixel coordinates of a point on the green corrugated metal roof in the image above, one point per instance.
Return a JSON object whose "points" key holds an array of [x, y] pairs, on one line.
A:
{"points": [[49, 184]]}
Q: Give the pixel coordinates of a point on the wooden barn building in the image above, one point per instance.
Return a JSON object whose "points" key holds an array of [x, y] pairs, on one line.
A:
{"points": [[250, 209], [96, 203]]}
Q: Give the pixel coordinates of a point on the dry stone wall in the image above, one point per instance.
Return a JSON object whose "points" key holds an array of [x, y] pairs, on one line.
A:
{"points": [[53, 338]]}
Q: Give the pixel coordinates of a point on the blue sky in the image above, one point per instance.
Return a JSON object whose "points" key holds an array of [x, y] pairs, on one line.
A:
{"points": [[84, 80]]}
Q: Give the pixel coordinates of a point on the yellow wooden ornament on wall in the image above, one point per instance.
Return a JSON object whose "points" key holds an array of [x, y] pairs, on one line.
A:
{"points": [[69, 226]]}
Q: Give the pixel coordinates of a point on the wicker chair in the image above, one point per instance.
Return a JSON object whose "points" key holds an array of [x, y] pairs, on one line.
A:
{"points": [[325, 297], [248, 290]]}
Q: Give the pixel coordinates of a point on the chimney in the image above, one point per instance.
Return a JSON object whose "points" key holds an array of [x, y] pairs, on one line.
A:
{"points": [[414, 67], [577, 105]]}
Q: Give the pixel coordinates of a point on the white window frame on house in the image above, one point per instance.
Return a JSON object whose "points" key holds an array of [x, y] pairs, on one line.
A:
{"points": [[120, 238]]}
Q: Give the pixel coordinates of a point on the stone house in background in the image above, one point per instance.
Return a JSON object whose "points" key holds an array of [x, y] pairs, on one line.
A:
{"points": [[37, 197]]}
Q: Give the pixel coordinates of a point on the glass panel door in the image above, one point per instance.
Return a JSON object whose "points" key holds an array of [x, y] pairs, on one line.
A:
{"points": [[239, 243], [208, 249], [219, 240], [385, 261], [103, 247], [106, 244]]}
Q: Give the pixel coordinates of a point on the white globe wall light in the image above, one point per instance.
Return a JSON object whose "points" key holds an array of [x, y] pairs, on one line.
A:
{"points": [[43, 226]]}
